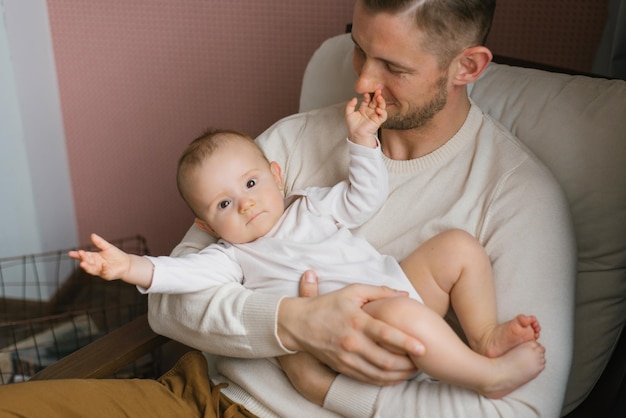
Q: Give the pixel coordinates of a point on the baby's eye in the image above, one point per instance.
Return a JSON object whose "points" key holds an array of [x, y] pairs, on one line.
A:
{"points": [[223, 204], [251, 183]]}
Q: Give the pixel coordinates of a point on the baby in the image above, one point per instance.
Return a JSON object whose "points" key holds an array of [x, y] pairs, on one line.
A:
{"points": [[266, 242]]}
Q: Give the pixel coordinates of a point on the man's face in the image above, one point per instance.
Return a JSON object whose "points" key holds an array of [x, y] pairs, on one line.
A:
{"points": [[388, 55]]}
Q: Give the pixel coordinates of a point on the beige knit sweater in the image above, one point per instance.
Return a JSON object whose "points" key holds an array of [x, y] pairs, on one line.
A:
{"points": [[482, 180]]}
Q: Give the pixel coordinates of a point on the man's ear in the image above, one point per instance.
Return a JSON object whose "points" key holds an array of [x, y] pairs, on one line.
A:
{"points": [[205, 227], [278, 175], [470, 64]]}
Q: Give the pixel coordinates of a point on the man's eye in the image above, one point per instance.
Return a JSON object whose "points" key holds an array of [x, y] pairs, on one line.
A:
{"points": [[251, 183], [224, 204], [394, 70]]}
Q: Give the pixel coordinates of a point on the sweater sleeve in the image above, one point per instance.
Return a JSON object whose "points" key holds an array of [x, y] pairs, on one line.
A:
{"points": [[213, 266], [354, 201], [226, 320]]}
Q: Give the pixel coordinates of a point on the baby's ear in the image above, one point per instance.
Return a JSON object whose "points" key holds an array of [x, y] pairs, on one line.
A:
{"points": [[205, 227], [277, 173]]}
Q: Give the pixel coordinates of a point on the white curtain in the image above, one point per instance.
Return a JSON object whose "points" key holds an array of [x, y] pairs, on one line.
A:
{"points": [[610, 59]]}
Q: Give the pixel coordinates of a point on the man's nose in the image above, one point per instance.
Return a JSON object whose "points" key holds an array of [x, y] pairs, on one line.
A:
{"points": [[245, 204], [368, 80]]}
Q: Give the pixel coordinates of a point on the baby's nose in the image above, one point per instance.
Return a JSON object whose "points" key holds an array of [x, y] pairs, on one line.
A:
{"points": [[245, 205]]}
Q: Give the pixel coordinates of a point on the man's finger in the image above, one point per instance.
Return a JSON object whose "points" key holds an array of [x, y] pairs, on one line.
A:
{"points": [[392, 339], [308, 284]]}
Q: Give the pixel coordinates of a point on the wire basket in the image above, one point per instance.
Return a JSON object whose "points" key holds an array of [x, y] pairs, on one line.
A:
{"points": [[49, 308]]}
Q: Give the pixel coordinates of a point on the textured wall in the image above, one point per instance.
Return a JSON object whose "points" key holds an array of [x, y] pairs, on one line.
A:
{"points": [[139, 79], [562, 33]]}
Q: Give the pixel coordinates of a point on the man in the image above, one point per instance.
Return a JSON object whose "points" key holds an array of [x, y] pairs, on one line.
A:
{"points": [[450, 167]]}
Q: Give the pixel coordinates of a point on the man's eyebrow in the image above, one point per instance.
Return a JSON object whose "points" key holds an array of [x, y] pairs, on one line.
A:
{"points": [[356, 44]]}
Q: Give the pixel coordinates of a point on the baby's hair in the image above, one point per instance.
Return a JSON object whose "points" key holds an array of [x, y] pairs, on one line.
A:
{"points": [[202, 148]]}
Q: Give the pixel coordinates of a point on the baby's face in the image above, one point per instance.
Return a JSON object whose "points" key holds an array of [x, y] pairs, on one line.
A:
{"points": [[236, 194]]}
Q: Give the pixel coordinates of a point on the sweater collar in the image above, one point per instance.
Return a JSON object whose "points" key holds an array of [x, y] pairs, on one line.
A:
{"points": [[465, 135]]}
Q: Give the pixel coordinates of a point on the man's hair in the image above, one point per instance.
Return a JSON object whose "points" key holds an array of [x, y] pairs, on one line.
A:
{"points": [[449, 25], [202, 148]]}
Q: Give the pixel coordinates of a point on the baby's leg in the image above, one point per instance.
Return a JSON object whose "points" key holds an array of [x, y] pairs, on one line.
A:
{"points": [[453, 268], [448, 359]]}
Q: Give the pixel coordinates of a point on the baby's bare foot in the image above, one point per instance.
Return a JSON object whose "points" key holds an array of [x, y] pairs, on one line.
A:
{"points": [[515, 368], [510, 334]]}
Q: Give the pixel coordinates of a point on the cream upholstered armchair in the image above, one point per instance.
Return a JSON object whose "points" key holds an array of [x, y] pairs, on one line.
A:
{"points": [[577, 126]]}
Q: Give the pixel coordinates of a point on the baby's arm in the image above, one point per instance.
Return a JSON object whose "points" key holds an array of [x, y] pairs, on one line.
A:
{"points": [[111, 263], [363, 123]]}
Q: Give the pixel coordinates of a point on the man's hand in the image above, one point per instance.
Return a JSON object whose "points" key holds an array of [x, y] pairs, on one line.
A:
{"points": [[335, 330]]}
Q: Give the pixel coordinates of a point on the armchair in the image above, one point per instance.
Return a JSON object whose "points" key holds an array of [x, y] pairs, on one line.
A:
{"points": [[577, 126]]}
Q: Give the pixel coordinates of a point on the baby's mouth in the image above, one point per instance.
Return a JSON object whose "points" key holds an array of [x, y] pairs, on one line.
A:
{"points": [[253, 217]]}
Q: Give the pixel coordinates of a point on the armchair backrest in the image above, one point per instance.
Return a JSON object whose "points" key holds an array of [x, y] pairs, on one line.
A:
{"points": [[577, 126]]}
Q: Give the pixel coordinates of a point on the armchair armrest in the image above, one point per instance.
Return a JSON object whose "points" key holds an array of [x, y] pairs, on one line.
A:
{"points": [[108, 354]]}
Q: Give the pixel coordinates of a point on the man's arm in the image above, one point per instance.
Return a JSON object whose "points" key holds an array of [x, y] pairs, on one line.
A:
{"points": [[532, 248], [212, 320], [230, 320]]}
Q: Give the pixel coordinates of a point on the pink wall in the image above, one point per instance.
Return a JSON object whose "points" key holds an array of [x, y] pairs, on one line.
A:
{"points": [[139, 79], [562, 33]]}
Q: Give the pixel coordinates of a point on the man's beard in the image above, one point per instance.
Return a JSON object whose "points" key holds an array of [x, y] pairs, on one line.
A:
{"points": [[420, 117]]}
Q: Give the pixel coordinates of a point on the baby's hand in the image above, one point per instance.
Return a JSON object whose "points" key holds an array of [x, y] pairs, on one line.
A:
{"points": [[110, 262], [364, 122]]}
